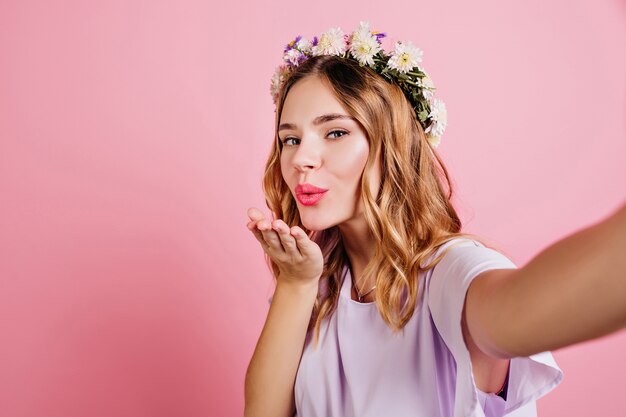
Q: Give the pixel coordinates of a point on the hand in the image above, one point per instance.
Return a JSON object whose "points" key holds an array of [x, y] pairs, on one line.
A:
{"points": [[299, 259]]}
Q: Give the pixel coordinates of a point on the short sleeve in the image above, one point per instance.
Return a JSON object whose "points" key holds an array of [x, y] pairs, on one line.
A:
{"points": [[529, 377]]}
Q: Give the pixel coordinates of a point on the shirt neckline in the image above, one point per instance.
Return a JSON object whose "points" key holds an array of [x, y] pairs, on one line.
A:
{"points": [[346, 283], [346, 288]]}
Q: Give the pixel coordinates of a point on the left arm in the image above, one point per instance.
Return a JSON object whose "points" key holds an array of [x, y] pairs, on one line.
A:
{"points": [[573, 291]]}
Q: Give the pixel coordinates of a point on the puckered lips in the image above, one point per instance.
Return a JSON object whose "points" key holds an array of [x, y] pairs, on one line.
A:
{"points": [[308, 194]]}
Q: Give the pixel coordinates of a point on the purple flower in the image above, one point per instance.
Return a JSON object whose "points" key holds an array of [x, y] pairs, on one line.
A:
{"points": [[292, 44]]}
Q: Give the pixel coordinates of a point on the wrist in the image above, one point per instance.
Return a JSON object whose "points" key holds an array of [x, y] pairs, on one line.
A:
{"points": [[300, 289]]}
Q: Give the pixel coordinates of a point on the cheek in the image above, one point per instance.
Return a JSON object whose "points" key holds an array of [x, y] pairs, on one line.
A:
{"points": [[350, 163]]}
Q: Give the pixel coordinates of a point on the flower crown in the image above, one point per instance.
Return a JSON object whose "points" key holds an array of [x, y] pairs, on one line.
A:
{"points": [[399, 67]]}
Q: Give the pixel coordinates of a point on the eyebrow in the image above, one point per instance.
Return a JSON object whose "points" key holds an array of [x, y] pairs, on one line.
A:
{"points": [[319, 120]]}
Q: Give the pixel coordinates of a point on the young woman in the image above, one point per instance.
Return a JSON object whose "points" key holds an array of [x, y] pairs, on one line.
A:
{"points": [[383, 307]]}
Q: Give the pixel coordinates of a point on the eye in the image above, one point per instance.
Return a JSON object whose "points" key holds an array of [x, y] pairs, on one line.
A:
{"points": [[286, 140], [333, 133], [343, 132]]}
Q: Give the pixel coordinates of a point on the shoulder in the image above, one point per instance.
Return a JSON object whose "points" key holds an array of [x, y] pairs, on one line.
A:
{"points": [[466, 263], [461, 262], [464, 255]]}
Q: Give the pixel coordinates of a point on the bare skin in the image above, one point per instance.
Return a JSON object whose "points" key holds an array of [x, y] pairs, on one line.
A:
{"points": [[571, 292], [271, 375], [331, 154]]}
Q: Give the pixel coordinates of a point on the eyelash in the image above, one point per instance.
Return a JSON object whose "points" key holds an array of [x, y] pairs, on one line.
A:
{"points": [[332, 131]]}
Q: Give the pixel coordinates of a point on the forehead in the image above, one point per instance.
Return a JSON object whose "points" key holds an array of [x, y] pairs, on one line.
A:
{"points": [[307, 99]]}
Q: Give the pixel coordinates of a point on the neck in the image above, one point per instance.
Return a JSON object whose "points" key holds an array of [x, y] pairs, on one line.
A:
{"points": [[360, 247]]}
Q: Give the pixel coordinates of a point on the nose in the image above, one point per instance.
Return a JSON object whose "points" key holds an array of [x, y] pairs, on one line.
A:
{"points": [[308, 155]]}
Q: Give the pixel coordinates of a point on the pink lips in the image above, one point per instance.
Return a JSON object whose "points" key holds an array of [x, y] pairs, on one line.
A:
{"points": [[308, 194]]}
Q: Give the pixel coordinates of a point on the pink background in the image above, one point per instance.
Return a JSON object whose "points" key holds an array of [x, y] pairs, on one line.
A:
{"points": [[133, 136]]}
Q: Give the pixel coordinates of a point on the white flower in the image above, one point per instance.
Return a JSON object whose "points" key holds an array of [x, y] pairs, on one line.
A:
{"points": [[427, 87], [304, 46], [362, 32], [331, 42], [405, 57], [293, 56], [277, 81], [363, 45], [438, 118], [364, 49]]}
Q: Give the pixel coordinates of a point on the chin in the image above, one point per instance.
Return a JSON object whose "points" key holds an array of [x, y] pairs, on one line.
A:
{"points": [[316, 223], [315, 226]]}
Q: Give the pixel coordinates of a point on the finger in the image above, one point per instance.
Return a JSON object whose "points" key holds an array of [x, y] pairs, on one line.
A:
{"points": [[252, 225], [255, 214], [258, 225], [303, 242], [272, 239], [288, 241], [259, 236], [270, 236]]}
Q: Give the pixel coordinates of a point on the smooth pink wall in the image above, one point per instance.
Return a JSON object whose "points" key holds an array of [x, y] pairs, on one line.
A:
{"points": [[133, 136]]}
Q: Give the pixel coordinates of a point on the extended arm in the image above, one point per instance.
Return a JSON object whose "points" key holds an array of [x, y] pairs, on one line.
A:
{"points": [[573, 291]]}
